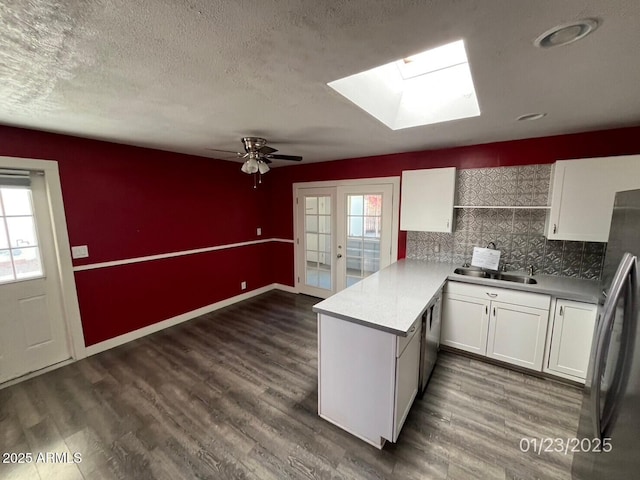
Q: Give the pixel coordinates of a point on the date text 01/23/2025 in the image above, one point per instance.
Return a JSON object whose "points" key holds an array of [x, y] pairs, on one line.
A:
{"points": [[565, 445], [41, 457]]}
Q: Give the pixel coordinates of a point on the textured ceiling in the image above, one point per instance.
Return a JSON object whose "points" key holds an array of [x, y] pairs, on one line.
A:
{"points": [[187, 75]]}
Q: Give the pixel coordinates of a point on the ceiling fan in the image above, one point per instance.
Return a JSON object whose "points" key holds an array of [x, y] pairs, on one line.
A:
{"points": [[258, 155]]}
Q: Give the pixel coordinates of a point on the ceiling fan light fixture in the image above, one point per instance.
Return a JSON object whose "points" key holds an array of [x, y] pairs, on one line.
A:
{"points": [[250, 166], [263, 167]]}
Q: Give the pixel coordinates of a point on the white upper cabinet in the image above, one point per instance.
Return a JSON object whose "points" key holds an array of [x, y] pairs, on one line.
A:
{"points": [[427, 200], [582, 196]]}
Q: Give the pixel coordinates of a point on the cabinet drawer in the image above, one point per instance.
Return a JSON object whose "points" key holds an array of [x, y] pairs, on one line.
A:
{"points": [[402, 342], [516, 297]]}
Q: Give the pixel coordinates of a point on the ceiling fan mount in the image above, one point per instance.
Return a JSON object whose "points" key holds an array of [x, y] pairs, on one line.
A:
{"points": [[258, 155]]}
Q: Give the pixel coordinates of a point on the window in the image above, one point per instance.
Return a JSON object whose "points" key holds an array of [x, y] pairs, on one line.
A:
{"points": [[19, 251], [364, 228]]}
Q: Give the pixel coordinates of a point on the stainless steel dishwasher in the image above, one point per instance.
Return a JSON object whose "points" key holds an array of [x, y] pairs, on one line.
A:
{"points": [[430, 340]]}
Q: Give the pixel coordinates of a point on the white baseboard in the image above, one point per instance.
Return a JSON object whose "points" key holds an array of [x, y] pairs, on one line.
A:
{"points": [[285, 288], [170, 322]]}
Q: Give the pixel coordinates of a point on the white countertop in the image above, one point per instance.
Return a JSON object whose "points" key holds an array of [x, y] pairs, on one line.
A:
{"points": [[393, 298]]}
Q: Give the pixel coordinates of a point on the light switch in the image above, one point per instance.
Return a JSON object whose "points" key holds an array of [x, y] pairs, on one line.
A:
{"points": [[81, 251], [259, 231]]}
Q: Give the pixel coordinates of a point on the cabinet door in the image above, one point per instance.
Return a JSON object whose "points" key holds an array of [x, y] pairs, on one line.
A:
{"points": [[571, 337], [465, 323], [427, 200], [588, 185], [517, 334], [407, 372]]}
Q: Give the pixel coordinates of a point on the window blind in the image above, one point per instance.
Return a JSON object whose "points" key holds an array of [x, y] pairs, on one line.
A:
{"points": [[19, 178]]}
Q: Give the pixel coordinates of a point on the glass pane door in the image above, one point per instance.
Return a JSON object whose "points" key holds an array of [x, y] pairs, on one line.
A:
{"points": [[364, 227], [364, 231], [317, 229], [343, 234], [316, 241]]}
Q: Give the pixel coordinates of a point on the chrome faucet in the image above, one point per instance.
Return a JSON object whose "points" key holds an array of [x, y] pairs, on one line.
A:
{"points": [[531, 270]]}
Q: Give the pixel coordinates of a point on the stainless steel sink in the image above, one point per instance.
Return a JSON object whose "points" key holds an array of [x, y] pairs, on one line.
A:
{"points": [[472, 272], [514, 278], [506, 277]]}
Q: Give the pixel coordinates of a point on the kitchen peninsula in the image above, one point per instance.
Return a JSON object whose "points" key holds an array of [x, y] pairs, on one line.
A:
{"points": [[369, 341]]}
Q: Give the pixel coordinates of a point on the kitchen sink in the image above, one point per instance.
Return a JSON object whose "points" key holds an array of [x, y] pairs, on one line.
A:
{"points": [[514, 278], [507, 277], [472, 272]]}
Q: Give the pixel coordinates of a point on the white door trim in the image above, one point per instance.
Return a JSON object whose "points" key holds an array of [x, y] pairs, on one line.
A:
{"points": [[395, 219], [70, 306]]}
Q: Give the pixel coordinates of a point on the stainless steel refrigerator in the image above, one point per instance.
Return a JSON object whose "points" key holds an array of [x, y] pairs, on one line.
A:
{"points": [[610, 417]]}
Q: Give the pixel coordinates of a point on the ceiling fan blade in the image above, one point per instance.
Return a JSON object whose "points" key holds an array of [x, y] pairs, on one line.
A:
{"points": [[265, 160], [267, 150], [228, 152], [293, 158]]}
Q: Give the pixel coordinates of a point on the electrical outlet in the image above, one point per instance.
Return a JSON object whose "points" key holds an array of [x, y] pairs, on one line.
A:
{"points": [[259, 231], [243, 286], [81, 251]]}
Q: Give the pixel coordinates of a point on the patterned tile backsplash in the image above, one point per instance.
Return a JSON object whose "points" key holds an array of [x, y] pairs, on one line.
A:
{"points": [[517, 233]]}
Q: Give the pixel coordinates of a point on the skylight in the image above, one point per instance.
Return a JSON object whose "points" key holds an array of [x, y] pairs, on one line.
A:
{"points": [[431, 87]]}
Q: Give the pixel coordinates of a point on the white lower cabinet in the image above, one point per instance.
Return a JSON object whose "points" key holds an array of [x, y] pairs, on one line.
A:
{"points": [[569, 339], [507, 325], [367, 378], [465, 321], [407, 376], [517, 334]]}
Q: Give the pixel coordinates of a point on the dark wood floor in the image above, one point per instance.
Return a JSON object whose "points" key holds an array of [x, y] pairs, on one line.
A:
{"points": [[233, 394]]}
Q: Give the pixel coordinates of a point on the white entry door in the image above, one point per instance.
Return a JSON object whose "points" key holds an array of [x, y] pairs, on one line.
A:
{"points": [[344, 233], [32, 328]]}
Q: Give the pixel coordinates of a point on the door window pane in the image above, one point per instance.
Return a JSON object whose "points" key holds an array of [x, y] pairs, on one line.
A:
{"points": [[356, 205], [317, 226], [18, 232], [17, 201], [311, 205], [312, 241], [364, 223], [6, 266], [312, 223], [4, 239], [22, 231], [324, 205]]}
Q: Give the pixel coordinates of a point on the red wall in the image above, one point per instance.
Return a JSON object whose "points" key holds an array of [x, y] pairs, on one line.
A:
{"points": [[519, 152], [126, 202]]}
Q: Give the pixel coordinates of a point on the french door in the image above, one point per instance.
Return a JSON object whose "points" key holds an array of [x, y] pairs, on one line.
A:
{"points": [[344, 233], [33, 332]]}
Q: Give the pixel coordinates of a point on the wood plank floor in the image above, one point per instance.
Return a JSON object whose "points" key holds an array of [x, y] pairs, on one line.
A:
{"points": [[233, 394]]}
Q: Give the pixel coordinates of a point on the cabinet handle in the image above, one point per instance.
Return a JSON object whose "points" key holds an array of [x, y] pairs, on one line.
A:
{"points": [[492, 295], [412, 329], [486, 309], [560, 311], [555, 228], [494, 311], [447, 223]]}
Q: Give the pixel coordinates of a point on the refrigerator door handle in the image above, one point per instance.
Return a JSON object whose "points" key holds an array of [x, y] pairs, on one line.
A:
{"points": [[603, 336]]}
